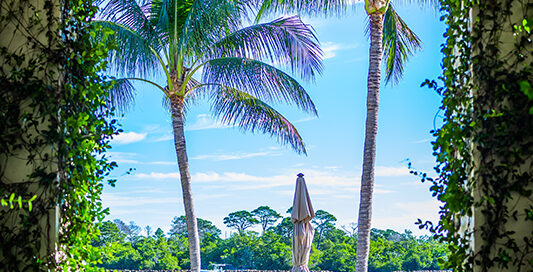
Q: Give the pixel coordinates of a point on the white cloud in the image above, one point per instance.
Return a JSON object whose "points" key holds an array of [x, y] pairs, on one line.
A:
{"points": [[123, 157], [312, 176], [119, 200], [227, 177], [381, 191], [226, 157], [210, 196], [386, 171], [205, 121], [427, 140], [166, 137], [331, 49], [305, 119], [163, 163], [321, 180], [129, 137], [155, 175], [132, 158]]}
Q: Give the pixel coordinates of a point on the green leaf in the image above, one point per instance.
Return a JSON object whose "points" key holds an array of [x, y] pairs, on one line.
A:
{"points": [[11, 198], [525, 87], [19, 201], [287, 41], [527, 25], [399, 43], [238, 108]]}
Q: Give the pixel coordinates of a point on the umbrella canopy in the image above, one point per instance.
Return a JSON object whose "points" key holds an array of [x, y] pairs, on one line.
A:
{"points": [[303, 232]]}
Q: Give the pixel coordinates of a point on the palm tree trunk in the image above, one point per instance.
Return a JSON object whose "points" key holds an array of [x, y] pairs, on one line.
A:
{"points": [[369, 157], [178, 123]]}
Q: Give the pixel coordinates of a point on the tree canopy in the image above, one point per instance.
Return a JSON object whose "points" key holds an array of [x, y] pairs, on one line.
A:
{"points": [[272, 250], [266, 216], [240, 220]]}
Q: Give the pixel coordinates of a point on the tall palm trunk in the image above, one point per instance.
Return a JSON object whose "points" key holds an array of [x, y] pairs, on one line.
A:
{"points": [[367, 178], [178, 123]]}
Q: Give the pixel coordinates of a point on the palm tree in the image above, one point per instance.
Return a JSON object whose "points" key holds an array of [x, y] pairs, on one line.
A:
{"points": [[386, 29], [180, 38]]}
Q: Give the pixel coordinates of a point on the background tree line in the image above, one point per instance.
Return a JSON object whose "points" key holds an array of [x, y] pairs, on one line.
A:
{"points": [[128, 246]]}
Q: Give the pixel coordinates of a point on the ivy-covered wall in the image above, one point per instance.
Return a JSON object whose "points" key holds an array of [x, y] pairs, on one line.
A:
{"points": [[484, 150], [502, 138], [54, 129]]}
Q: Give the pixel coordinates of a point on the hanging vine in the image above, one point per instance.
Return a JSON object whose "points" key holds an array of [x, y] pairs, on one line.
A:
{"points": [[53, 119], [484, 150]]}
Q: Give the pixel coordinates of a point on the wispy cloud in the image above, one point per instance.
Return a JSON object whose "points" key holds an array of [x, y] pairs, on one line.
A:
{"points": [[165, 137], [421, 141], [123, 157], [244, 181], [235, 156], [228, 176], [156, 175], [158, 133], [319, 177], [211, 196], [387, 171], [322, 181], [133, 158], [121, 200], [129, 137], [163, 163], [331, 49], [305, 119], [205, 121]]}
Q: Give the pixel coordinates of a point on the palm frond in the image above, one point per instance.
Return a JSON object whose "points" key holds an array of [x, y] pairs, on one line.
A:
{"points": [[133, 54], [193, 94], [169, 17], [258, 79], [237, 108], [207, 22], [131, 14], [283, 41], [431, 4], [310, 7], [121, 94], [157, 14], [399, 42]]}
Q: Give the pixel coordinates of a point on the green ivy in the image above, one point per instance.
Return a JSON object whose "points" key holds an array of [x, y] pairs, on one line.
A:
{"points": [[53, 116], [485, 144]]}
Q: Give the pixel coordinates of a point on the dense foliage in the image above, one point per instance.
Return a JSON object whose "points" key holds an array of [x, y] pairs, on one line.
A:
{"points": [[53, 119], [272, 250], [484, 149]]}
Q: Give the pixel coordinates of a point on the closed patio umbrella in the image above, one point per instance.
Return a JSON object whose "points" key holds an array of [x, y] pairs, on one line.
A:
{"points": [[303, 232]]}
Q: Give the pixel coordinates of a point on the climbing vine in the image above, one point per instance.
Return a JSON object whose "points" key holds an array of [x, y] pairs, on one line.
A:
{"points": [[484, 149], [54, 130]]}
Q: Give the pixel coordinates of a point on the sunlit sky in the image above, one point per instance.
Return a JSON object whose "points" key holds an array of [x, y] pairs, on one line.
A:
{"points": [[232, 170]]}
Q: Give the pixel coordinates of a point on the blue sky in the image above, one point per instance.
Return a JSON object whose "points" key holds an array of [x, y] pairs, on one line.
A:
{"points": [[232, 170]]}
